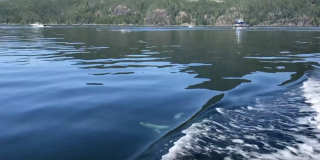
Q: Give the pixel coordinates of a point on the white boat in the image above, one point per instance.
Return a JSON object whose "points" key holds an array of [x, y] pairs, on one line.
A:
{"points": [[191, 26], [240, 24], [37, 24]]}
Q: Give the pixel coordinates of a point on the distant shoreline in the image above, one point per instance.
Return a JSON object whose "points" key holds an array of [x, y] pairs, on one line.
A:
{"points": [[127, 25]]}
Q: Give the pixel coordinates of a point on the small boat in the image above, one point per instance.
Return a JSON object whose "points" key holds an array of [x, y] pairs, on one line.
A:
{"points": [[191, 26], [240, 24], [38, 24]]}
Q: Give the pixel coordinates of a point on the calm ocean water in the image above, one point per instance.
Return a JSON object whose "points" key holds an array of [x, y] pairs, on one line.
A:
{"points": [[106, 92]]}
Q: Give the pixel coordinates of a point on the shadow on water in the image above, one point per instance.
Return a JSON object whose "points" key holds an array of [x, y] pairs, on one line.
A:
{"points": [[208, 54]]}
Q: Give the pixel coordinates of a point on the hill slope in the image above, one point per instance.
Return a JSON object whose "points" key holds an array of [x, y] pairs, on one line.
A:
{"points": [[161, 12]]}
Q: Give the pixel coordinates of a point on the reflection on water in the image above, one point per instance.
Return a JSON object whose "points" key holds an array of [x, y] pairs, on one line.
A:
{"points": [[109, 92], [238, 36]]}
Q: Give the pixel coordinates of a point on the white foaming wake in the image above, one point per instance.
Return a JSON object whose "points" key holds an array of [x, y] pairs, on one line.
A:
{"points": [[309, 149], [311, 89], [188, 142]]}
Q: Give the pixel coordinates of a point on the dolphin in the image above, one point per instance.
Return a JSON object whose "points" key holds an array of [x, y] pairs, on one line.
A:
{"points": [[178, 116], [154, 127]]}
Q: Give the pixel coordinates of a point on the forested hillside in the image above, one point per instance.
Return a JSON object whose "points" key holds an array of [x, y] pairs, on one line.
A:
{"points": [[161, 12]]}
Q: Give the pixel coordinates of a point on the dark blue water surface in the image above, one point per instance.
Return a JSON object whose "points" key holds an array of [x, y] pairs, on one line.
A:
{"points": [[109, 92]]}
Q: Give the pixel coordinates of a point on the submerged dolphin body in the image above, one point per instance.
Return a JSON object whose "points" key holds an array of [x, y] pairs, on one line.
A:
{"points": [[178, 116], [154, 127]]}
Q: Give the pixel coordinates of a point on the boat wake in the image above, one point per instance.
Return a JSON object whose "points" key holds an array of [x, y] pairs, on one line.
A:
{"points": [[278, 126]]}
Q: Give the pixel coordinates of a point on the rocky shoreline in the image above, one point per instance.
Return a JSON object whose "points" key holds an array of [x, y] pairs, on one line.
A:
{"points": [[296, 13], [160, 17]]}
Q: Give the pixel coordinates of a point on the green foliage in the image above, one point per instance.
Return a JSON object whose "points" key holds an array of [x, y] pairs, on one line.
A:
{"points": [[203, 12]]}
